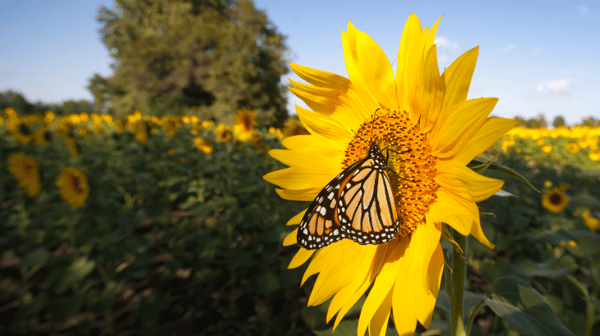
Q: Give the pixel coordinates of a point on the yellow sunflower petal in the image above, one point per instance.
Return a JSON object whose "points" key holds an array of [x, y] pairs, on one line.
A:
{"points": [[329, 160], [463, 123], [455, 211], [488, 134], [376, 70], [405, 318], [321, 78], [297, 218], [298, 178], [291, 238], [300, 258], [318, 123], [378, 325], [337, 269], [412, 31], [298, 195], [338, 106], [384, 282], [458, 78], [462, 180], [433, 92], [311, 143], [354, 73], [477, 232]]}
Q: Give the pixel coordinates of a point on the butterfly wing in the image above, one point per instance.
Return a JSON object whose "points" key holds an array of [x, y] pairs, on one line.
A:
{"points": [[320, 226], [366, 210]]}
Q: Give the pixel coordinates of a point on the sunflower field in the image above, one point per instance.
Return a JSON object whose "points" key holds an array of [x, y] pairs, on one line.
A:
{"points": [[165, 226]]}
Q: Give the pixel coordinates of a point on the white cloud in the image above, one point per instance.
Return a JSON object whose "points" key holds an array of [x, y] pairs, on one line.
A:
{"points": [[538, 50], [444, 48], [563, 86], [506, 49], [583, 9]]}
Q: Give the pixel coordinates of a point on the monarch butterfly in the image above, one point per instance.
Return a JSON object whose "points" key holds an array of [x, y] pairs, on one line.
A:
{"points": [[357, 204]]}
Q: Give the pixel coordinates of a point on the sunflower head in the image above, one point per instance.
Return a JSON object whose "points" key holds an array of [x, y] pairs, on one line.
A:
{"points": [[120, 125], [244, 123], [293, 127], [427, 130], [25, 170], [203, 145], [42, 136], [73, 147], [73, 186], [572, 147], [223, 133], [554, 200]]}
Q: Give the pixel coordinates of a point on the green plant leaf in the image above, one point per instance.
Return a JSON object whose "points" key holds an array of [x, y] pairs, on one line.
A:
{"points": [[474, 164], [523, 307]]}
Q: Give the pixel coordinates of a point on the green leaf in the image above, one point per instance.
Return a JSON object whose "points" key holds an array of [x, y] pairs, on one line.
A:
{"points": [[550, 268], [37, 257], [470, 301], [523, 307], [594, 301], [475, 164], [588, 244]]}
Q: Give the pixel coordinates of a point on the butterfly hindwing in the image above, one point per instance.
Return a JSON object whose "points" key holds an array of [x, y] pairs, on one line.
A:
{"points": [[357, 204], [366, 206]]}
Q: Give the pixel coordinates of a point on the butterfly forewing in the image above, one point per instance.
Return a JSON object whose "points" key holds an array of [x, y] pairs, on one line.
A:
{"points": [[357, 204]]}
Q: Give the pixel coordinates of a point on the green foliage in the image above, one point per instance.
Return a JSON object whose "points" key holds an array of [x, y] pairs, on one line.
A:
{"points": [[521, 305], [206, 58], [160, 247], [538, 121]]}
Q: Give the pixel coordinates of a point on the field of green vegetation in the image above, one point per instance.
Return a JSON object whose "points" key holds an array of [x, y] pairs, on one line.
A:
{"points": [[165, 226]]}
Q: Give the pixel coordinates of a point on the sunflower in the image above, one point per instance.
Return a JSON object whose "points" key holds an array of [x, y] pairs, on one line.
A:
{"points": [[120, 125], [73, 186], [42, 136], [572, 147], [554, 200], [293, 127], [171, 124], [73, 147], [431, 131], [243, 125], [203, 145], [26, 171], [591, 222], [223, 133]]}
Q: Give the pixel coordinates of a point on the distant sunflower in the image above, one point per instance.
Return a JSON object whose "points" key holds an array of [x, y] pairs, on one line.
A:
{"points": [[171, 124], [42, 136], [432, 132], [589, 221], [203, 145], [243, 125], [73, 147], [223, 133], [73, 186], [19, 130], [25, 170], [572, 147], [554, 200], [293, 127]]}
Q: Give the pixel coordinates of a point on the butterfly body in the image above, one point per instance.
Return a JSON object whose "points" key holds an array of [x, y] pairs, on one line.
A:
{"points": [[358, 204]]}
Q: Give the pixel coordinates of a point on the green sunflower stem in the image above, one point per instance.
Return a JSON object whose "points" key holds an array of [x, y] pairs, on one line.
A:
{"points": [[459, 272]]}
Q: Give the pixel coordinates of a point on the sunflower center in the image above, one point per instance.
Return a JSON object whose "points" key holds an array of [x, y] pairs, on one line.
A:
{"points": [[75, 183], [410, 160], [555, 199]]}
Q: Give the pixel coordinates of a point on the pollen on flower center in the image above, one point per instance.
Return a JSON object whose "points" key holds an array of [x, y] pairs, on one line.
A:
{"points": [[410, 159]]}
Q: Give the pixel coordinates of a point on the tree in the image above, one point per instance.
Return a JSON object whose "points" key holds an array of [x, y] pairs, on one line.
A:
{"points": [[201, 57], [558, 121], [590, 121]]}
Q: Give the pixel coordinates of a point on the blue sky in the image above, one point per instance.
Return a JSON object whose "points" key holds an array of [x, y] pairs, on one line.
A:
{"points": [[535, 56]]}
